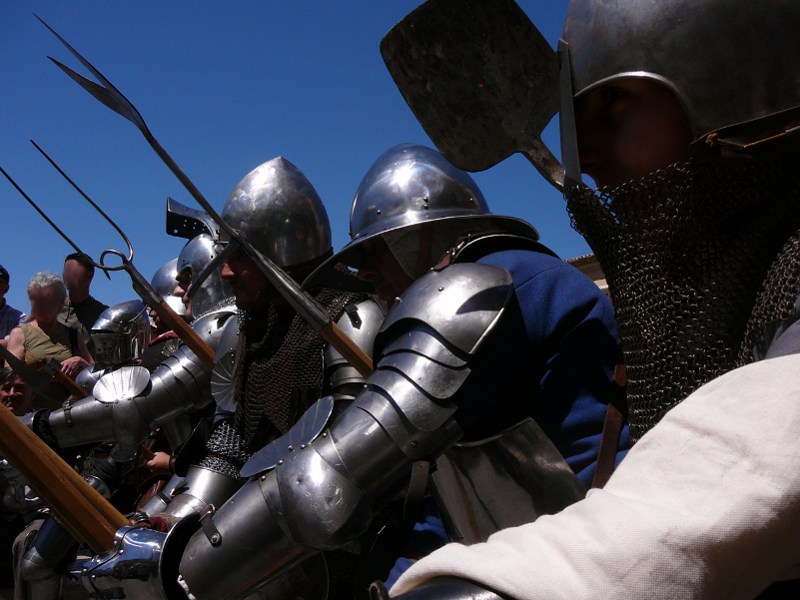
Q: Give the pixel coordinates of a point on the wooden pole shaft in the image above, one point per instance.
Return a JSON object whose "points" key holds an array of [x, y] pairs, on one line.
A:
{"points": [[186, 333], [351, 351], [69, 383], [89, 517]]}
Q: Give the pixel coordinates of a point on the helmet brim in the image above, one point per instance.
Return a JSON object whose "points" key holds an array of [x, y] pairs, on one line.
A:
{"points": [[326, 275]]}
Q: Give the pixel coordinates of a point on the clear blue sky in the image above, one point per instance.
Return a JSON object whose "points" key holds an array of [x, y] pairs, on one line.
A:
{"points": [[224, 86]]}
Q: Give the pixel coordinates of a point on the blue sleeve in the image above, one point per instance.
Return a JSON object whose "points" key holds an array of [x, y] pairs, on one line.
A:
{"points": [[572, 332]]}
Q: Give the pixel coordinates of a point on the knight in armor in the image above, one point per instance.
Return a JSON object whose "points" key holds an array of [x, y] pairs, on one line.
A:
{"points": [[128, 402], [119, 336], [697, 227], [440, 355], [271, 365], [164, 341], [415, 211]]}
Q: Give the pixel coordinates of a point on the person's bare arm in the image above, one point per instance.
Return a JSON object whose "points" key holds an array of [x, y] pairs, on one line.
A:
{"points": [[83, 351], [16, 343]]}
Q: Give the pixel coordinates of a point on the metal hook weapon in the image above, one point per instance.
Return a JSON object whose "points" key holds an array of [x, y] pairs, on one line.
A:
{"points": [[140, 285], [101, 264], [304, 304]]}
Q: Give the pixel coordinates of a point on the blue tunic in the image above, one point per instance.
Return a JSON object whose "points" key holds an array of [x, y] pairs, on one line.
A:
{"points": [[556, 364], [572, 347]]}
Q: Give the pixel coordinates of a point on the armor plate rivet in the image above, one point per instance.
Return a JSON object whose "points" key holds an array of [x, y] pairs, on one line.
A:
{"points": [[290, 448], [441, 288], [280, 462], [302, 446], [215, 539]]}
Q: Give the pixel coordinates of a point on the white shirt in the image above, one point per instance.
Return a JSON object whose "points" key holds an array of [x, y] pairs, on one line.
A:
{"points": [[705, 505]]}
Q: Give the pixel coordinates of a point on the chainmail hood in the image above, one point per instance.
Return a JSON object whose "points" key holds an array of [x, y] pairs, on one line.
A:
{"points": [[699, 259], [279, 368]]}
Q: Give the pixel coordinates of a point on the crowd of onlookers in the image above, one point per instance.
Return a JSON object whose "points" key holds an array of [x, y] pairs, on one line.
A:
{"points": [[60, 318], [57, 326]]}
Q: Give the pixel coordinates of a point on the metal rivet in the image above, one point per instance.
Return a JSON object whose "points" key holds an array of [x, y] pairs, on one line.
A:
{"points": [[215, 539], [441, 288], [280, 462], [263, 478], [290, 448], [377, 212], [302, 446], [325, 434]]}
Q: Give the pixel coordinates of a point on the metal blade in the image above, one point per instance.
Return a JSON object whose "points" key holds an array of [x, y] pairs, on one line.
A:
{"points": [[480, 78], [92, 202], [304, 304], [110, 96], [41, 212], [188, 223]]}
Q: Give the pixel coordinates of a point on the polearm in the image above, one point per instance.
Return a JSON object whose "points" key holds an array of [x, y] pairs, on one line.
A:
{"points": [[90, 518], [140, 285], [304, 304]]}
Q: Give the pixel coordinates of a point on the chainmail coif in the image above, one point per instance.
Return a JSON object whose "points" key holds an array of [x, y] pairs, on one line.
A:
{"points": [[279, 369], [699, 258], [279, 373]]}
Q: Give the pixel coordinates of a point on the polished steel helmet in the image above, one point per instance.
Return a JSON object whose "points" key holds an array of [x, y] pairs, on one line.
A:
{"points": [[278, 210], [410, 185], [164, 283], [194, 257], [121, 333], [727, 61]]}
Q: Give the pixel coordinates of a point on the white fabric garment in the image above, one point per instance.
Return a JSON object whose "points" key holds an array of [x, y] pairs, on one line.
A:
{"points": [[705, 505]]}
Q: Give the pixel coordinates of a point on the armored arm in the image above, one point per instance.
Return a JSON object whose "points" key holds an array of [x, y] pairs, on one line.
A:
{"points": [[323, 494], [129, 403], [216, 478]]}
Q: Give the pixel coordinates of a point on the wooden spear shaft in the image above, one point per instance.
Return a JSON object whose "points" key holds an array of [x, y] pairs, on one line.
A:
{"points": [[89, 517]]}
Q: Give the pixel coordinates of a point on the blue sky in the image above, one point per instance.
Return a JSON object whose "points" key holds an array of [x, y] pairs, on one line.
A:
{"points": [[224, 86]]}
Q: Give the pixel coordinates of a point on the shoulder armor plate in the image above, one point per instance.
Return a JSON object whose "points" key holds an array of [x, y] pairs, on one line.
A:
{"points": [[460, 302]]}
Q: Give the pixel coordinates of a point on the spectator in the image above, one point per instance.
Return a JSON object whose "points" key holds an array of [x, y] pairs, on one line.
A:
{"points": [[18, 503], [10, 317], [80, 309], [43, 337]]}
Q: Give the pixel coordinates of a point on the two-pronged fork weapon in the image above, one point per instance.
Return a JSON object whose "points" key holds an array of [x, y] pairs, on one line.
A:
{"points": [[304, 304], [140, 285]]}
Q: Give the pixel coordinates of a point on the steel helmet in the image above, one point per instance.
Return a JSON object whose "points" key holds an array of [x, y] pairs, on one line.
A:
{"points": [[278, 210], [121, 333], [407, 186], [195, 255], [164, 283], [410, 185], [727, 61]]}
